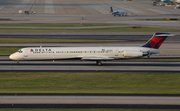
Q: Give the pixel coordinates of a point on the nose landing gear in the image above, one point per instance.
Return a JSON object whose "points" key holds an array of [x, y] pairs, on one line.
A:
{"points": [[98, 63]]}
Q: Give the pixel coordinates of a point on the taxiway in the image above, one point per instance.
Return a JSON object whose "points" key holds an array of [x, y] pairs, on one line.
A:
{"points": [[145, 100], [90, 66], [151, 102]]}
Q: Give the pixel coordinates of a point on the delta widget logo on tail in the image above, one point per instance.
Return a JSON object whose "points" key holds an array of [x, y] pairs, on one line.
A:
{"points": [[157, 40]]}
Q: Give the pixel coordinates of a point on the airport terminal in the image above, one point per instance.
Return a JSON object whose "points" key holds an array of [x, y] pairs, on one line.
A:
{"points": [[89, 55]]}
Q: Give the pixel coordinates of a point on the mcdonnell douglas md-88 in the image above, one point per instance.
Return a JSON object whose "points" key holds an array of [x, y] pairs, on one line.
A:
{"points": [[97, 54], [118, 12]]}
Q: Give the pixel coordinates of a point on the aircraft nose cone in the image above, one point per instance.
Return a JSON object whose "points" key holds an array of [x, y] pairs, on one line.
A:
{"points": [[12, 57]]}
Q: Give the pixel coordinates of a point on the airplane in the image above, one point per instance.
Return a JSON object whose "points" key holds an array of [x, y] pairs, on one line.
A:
{"points": [[118, 12], [97, 54]]}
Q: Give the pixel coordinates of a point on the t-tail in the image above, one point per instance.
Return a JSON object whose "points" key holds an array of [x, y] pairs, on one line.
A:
{"points": [[156, 40], [111, 9]]}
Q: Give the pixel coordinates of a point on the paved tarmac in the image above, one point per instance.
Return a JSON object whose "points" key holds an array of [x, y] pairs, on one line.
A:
{"points": [[137, 100], [85, 11], [92, 27], [89, 66], [144, 37], [76, 33]]}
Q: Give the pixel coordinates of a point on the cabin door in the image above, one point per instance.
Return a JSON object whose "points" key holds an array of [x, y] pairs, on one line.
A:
{"points": [[25, 54]]}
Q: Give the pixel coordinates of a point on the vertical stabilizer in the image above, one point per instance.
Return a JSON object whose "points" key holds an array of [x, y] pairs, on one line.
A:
{"points": [[156, 40], [111, 9]]}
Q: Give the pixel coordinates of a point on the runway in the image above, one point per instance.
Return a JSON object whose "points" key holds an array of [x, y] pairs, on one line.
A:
{"points": [[90, 102], [88, 66]]}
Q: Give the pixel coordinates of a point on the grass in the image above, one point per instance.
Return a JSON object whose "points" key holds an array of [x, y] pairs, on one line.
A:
{"points": [[30, 40], [8, 50], [57, 25], [90, 82], [81, 109], [115, 29]]}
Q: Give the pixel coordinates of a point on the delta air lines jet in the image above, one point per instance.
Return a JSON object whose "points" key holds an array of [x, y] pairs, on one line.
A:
{"points": [[118, 12], [97, 54]]}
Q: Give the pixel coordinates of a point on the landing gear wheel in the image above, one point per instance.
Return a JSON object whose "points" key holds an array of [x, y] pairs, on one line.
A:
{"points": [[98, 63]]}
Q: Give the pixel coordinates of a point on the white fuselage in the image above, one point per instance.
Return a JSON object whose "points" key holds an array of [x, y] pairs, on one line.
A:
{"points": [[119, 12], [52, 53]]}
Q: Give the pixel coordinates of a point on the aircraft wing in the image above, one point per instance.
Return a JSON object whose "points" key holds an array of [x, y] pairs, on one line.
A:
{"points": [[92, 58]]}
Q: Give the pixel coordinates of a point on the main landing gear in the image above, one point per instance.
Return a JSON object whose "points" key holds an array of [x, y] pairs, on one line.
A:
{"points": [[98, 63], [17, 62]]}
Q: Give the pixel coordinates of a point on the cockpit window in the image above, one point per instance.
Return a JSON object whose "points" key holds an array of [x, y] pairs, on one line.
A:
{"points": [[20, 51]]}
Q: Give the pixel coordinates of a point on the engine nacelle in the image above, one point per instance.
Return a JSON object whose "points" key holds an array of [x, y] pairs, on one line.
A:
{"points": [[132, 54]]}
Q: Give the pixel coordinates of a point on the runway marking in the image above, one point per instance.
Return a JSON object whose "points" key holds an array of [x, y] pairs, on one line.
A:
{"points": [[158, 11], [22, 4], [2, 7], [126, 8], [49, 8]]}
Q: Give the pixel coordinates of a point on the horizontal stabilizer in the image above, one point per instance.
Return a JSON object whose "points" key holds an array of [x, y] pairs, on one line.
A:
{"points": [[162, 34]]}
